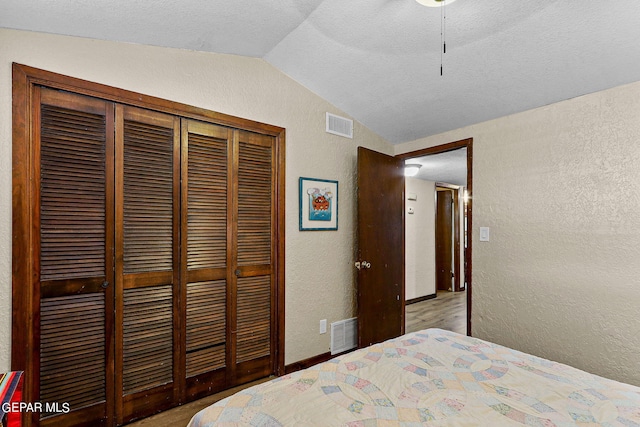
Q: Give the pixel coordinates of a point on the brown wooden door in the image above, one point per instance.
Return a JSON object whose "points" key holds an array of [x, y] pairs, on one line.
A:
{"points": [[206, 242], [253, 256], [75, 230], [444, 240], [228, 242], [147, 256], [380, 247]]}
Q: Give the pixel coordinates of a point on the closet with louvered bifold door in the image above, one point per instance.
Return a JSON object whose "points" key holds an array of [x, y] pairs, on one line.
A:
{"points": [[155, 251], [109, 259], [227, 187]]}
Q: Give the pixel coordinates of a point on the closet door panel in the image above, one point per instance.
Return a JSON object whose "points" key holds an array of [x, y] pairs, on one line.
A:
{"points": [[147, 300], [75, 255], [148, 193], [254, 252], [72, 187], [206, 321], [206, 149], [205, 196], [148, 338], [255, 200], [254, 315]]}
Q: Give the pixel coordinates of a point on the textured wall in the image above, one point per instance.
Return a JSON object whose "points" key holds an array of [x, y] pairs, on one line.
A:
{"points": [[559, 186], [319, 265], [420, 254]]}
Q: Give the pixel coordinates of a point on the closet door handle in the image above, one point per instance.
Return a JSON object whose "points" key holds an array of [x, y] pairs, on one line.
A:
{"points": [[105, 285], [238, 273]]}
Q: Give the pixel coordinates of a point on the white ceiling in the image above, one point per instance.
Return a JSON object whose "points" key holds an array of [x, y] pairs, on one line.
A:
{"points": [[379, 60], [449, 167]]}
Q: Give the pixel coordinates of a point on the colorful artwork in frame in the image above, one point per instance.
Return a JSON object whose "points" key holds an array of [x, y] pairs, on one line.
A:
{"points": [[318, 204]]}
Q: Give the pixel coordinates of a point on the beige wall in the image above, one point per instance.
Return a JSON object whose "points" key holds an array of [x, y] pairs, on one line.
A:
{"points": [[319, 265], [420, 253], [559, 187]]}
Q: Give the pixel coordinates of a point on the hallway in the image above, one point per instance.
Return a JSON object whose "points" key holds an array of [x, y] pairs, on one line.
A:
{"points": [[447, 311]]}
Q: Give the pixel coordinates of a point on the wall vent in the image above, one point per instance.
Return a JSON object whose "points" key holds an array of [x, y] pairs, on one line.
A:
{"points": [[339, 126], [344, 335]]}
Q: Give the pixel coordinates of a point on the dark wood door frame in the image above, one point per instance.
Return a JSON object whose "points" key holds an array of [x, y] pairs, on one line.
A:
{"points": [[468, 144]]}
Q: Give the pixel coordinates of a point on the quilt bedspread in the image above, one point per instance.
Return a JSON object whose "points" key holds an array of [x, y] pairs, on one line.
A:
{"points": [[435, 378]]}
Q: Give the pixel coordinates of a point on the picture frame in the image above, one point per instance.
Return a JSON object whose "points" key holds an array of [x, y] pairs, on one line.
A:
{"points": [[318, 204]]}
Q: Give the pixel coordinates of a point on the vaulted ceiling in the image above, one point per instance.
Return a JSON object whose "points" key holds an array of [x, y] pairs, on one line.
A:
{"points": [[380, 60]]}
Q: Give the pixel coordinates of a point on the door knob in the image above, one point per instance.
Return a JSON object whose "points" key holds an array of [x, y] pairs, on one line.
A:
{"points": [[362, 265]]}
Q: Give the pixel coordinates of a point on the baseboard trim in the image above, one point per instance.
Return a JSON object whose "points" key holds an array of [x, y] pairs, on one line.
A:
{"points": [[420, 299], [307, 363]]}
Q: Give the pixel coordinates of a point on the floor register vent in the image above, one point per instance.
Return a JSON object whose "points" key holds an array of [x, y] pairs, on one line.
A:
{"points": [[344, 335], [339, 126]]}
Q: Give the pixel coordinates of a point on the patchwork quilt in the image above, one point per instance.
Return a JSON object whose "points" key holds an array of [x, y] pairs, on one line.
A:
{"points": [[434, 378]]}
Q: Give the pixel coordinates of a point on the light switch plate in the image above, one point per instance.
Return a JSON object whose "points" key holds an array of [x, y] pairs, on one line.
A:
{"points": [[484, 234]]}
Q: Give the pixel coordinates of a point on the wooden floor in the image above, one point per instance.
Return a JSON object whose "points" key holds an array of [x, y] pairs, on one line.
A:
{"points": [[447, 311], [180, 416]]}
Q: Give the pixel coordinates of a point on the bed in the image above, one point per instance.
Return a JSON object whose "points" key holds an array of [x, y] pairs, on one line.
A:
{"points": [[432, 377]]}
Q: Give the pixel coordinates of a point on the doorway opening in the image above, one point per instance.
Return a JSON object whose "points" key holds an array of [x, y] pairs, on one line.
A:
{"points": [[448, 168]]}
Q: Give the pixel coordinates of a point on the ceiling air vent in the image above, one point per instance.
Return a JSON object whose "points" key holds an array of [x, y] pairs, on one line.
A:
{"points": [[339, 126]]}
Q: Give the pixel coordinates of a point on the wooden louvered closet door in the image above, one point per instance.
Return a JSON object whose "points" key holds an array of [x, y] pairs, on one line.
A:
{"points": [[144, 258], [206, 195], [227, 186], [75, 229], [252, 255], [147, 256]]}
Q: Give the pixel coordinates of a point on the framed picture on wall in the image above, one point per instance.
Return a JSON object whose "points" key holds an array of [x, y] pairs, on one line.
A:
{"points": [[318, 204]]}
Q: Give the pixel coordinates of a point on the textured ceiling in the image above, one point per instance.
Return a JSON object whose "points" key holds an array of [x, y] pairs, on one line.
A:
{"points": [[379, 60], [449, 167]]}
